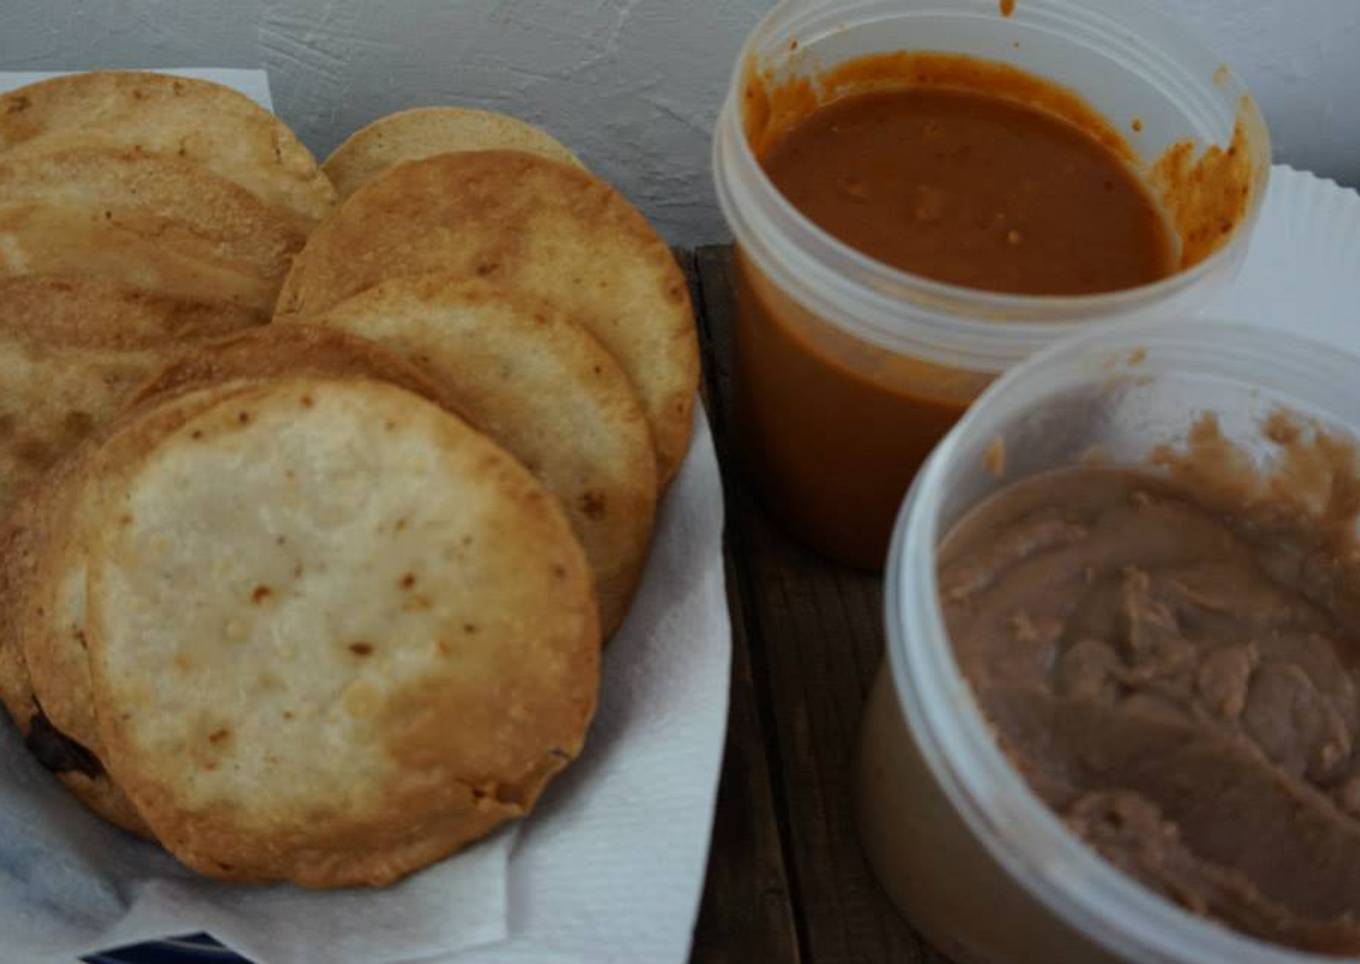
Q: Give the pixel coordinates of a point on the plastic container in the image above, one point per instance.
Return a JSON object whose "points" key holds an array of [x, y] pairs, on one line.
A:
{"points": [[957, 838], [904, 355]]}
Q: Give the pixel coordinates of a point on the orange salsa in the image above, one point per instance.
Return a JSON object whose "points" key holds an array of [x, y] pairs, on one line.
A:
{"points": [[973, 189], [951, 167]]}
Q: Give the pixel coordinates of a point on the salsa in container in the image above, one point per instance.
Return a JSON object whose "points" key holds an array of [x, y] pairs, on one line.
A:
{"points": [[923, 196]]}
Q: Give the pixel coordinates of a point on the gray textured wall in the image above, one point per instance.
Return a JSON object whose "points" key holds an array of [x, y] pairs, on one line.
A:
{"points": [[631, 85]]}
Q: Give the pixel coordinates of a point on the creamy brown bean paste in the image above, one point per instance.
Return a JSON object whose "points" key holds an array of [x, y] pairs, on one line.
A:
{"points": [[1171, 661]]}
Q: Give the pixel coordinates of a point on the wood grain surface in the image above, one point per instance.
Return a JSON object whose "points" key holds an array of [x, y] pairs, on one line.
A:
{"points": [[786, 880]]}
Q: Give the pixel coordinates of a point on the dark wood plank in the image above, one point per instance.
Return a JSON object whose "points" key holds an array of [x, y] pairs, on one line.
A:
{"points": [[746, 914], [815, 637]]}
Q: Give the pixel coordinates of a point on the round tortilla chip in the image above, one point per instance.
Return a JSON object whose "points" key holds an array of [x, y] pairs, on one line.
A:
{"points": [[546, 392], [373, 634], [46, 605], [193, 120], [533, 226], [93, 313], [154, 223], [282, 351], [420, 132], [54, 396], [42, 587], [72, 354], [42, 608]]}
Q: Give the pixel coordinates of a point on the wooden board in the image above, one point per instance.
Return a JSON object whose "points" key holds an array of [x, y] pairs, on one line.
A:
{"points": [[807, 637], [746, 914]]}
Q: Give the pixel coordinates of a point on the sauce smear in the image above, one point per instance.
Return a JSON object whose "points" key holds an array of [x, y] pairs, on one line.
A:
{"points": [[975, 190]]}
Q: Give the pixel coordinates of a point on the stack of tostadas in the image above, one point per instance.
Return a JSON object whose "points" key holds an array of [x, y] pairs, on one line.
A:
{"points": [[318, 503]]}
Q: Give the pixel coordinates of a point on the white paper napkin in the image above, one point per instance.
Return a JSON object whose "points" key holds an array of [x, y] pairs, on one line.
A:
{"points": [[609, 867], [1302, 272]]}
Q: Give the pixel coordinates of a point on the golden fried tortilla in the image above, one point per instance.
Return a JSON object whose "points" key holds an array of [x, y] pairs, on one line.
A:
{"points": [[420, 132], [374, 633], [159, 224], [42, 610], [542, 388], [93, 313], [533, 226], [193, 120]]}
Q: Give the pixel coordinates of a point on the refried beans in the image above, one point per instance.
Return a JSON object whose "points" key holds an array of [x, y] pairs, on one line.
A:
{"points": [[1179, 678]]}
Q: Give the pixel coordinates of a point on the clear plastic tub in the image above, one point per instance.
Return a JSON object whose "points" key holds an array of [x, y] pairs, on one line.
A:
{"points": [[956, 836], [900, 354]]}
